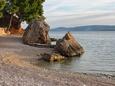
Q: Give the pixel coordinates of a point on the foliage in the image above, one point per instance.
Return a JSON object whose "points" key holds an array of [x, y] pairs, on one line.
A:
{"points": [[11, 7], [32, 9], [26, 10], [2, 5]]}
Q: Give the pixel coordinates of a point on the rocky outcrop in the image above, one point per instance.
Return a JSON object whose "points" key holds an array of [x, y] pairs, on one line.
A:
{"points": [[19, 31], [68, 46], [2, 31], [13, 31], [53, 57], [37, 32]]}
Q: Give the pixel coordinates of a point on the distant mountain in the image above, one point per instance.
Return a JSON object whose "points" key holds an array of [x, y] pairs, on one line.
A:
{"points": [[87, 28]]}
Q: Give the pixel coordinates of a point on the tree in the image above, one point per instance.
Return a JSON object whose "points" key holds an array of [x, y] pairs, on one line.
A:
{"points": [[26, 10], [23, 10], [30, 9], [2, 5], [12, 9]]}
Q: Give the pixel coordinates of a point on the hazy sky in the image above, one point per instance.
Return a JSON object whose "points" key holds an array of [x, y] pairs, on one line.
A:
{"points": [[64, 13]]}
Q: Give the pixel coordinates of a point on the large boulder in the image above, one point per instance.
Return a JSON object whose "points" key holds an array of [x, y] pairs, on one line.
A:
{"points": [[37, 32], [68, 46]]}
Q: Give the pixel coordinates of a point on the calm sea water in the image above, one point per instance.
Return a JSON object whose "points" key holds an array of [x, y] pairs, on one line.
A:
{"points": [[99, 56]]}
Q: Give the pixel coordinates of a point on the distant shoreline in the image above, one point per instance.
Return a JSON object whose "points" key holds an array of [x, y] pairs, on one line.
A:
{"points": [[86, 28]]}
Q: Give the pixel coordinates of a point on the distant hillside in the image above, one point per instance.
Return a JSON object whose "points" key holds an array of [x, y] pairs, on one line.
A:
{"points": [[86, 28]]}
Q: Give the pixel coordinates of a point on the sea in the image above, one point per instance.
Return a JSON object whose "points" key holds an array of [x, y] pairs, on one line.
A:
{"points": [[99, 56]]}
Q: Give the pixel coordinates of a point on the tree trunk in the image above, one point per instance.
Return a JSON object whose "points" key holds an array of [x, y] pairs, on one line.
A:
{"points": [[11, 18]]}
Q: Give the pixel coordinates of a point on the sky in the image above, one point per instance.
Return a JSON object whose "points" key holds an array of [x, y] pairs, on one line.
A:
{"points": [[71, 13]]}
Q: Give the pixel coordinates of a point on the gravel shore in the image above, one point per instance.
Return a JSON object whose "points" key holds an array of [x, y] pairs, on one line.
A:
{"points": [[16, 68]]}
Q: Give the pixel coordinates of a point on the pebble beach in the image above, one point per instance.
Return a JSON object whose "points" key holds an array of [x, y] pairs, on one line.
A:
{"points": [[17, 69]]}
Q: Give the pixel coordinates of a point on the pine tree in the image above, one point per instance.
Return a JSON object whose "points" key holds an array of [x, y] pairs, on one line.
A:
{"points": [[12, 9], [25, 10], [33, 9]]}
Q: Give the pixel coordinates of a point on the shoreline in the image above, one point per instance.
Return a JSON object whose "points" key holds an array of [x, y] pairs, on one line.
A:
{"points": [[17, 69]]}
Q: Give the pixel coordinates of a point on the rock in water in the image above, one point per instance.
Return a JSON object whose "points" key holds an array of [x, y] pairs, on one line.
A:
{"points": [[53, 57], [37, 32], [68, 46]]}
